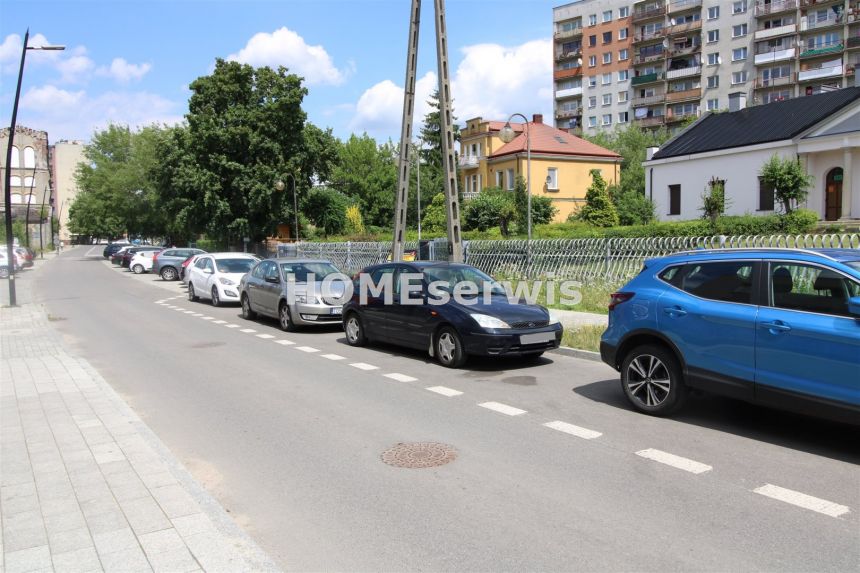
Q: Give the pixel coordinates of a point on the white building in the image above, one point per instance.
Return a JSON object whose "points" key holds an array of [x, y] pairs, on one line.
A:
{"points": [[822, 131]]}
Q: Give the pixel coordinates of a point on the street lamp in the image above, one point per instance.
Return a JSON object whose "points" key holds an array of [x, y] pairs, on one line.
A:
{"points": [[507, 135], [8, 192], [279, 185]]}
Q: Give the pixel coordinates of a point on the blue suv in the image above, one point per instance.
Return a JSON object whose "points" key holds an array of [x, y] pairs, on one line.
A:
{"points": [[779, 327]]}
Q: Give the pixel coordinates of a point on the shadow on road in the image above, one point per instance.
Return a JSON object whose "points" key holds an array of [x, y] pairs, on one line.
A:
{"points": [[786, 429]]}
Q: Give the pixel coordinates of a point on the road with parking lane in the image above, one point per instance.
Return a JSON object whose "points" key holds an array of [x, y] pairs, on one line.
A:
{"points": [[547, 467]]}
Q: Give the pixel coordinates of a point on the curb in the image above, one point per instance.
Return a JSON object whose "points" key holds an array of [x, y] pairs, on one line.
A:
{"points": [[578, 353]]}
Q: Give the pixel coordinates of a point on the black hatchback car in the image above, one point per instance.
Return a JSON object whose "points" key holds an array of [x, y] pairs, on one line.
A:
{"points": [[427, 308]]}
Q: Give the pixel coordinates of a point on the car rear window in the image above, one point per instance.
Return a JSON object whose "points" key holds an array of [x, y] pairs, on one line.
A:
{"points": [[727, 281]]}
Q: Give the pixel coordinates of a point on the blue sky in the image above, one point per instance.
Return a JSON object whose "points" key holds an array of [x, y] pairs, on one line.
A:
{"points": [[131, 61]]}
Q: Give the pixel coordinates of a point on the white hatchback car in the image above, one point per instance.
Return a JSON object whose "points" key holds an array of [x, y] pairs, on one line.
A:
{"points": [[141, 262], [216, 276]]}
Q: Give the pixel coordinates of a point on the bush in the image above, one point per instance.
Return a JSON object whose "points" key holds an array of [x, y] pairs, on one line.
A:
{"points": [[354, 221], [598, 209], [326, 208], [434, 218], [633, 207], [492, 207]]}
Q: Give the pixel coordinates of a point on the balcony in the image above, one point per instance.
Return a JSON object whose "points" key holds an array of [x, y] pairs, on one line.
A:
{"points": [[686, 51], [577, 131], [818, 73], [649, 100], [816, 3], [685, 27], [640, 59], [469, 161], [765, 33], [824, 50], [831, 20], [568, 113], [680, 5], [569, 92], [672, 117], [647, 78], [774, 56], [651, 121], [568, 73], [853, 42], [649, 12], [684, 72], [674, 97], [565, 34], [766, 9], [645, 36], [762, 82], [562, 56]]}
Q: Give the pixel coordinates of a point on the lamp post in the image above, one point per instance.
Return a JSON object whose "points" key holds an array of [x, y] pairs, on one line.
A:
{"points": [[280, 187], [10, 255], [507, 135]]}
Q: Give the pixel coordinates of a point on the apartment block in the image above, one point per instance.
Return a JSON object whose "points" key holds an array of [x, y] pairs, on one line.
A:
{"points": [[657, 63]]}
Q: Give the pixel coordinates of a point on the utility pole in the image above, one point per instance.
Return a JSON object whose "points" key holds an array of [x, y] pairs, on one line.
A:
{"points": [[452, 204]]}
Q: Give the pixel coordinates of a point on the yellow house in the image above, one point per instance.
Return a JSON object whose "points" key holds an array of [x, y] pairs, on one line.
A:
{"points": [[560, 162]]}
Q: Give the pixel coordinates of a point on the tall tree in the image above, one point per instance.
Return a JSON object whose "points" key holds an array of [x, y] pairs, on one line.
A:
{"points": [[367, 173], [788, 179], [598, 209]]}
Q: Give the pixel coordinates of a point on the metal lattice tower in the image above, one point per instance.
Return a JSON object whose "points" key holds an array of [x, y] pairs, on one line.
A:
{"points": [[452, 204]]}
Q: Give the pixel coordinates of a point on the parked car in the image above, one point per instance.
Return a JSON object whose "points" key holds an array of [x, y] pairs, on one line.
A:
{"points": [[141, 262], [129, 253], [25, 256], [116, 258], [111, 248], [456, 329], [264, 291], [779, 327], [217, 276], [183, 277], [167, 263], [4, 265]]}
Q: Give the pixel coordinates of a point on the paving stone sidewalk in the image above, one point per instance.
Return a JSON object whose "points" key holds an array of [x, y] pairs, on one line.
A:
{"points": [[84, 484]]}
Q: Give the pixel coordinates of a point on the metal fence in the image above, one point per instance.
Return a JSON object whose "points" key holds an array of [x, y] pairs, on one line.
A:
{"points": [[586, 260]]}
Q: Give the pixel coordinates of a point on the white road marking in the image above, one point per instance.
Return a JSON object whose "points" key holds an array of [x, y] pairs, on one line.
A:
{"points": [[265, 336], [333, 356], [219, 322], [232, 325], [444, 391], [284, 342], [189, 312], [171, 307], [502, 408], [196, 314], [577, 431], [248, 330], [207, 318], [363, 366], [400, 377], [675, 461], [802, 500], [307, 349]]}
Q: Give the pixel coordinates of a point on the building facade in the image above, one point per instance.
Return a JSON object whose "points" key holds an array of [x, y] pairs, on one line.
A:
{"points": [[65, 157], [657, 63], [30, 179], [560, 163]]}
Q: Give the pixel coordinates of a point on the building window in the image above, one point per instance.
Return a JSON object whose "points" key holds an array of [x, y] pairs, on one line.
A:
{"points": [[29, 158], [552, 178], [739, 54], [623, 117], [713, 36], [16, 159], [14, 181], [624, 12], [592, 41], [739, 77], [607, 119], [592, 121], [592, 19], [765, 196], [607, 58], [713, 82], [713, 12], [623, 54], [607, 79], [739, 7], [499, 177], [622, 97], [674, 199], [592, 102], [607, 37], [622, 34], [28, 182], [623, 75], [713, 104], [607, 99], [713, 59], [739, 30], [607, 16], [592, 81], [592, 61], [510, 178]]}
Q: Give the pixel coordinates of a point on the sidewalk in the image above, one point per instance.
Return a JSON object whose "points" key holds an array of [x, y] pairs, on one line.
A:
{"points": [[84, 484], [571, 319]]}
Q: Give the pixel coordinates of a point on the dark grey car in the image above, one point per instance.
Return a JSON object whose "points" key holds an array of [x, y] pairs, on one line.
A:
{"points": [[264, 290], [168, 262]]}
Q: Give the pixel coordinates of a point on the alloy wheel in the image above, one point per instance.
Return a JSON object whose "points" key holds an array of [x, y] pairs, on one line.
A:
{"points": [[353, 329], [648, 380]]}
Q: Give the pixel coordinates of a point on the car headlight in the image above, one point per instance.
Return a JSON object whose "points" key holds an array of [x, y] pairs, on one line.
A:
{"points": [[307, 299], [225, 281], [553, 319], [486, 321]]}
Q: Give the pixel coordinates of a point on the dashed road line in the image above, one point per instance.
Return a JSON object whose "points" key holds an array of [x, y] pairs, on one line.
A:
{"points": [[196, 314], [802, 500], [265, 336], [333, 356], [284, 342], [400, 377], [207, 318], [219, 322], [232, 325], [502, 408], [308, 349], [189, 312], [450, 392], [247, 330], [677, 462], [577, 431], [363, 366]]}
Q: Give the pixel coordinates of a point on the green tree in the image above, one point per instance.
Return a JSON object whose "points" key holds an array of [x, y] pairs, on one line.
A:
{"points": [[354, 221], [714, 201], [598, 209], [434, 218], [326, 208], [430, 143], [491, 207], [542, 208], [631, 144], [633, 207], [789, 180], [367, 173]]}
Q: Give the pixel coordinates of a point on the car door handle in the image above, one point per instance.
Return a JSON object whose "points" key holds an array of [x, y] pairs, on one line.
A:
{"points": [[675, 311], [776, 326]]}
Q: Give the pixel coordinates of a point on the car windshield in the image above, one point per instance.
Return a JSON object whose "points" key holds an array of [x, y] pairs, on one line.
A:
{"points": [[242, 265], [301, 271], [454, 275]]}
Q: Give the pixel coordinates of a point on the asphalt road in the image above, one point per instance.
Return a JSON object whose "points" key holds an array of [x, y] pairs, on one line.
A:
{"points": [[289, 438]]}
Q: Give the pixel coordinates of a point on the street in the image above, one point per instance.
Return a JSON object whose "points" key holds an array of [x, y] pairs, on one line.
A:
{"points": [[553, 470]]}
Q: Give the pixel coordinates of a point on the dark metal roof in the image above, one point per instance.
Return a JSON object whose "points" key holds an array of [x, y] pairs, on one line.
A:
{"points": [[775, 121]]}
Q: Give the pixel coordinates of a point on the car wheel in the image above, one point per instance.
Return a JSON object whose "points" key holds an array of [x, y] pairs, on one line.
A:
{"points": [[449, 348], [247, 313], [216, 301], [651, 379], [169, 274], [284, 318], [192, 296], [138, 269], [354, 330]]}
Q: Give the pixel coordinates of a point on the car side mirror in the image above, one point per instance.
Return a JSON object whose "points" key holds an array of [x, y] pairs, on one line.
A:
{"points": [[273, 280], [209, 271], [854, 306]]}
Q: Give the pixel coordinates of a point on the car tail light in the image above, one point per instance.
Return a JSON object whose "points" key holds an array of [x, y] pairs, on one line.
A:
{"points": [[617, 298], [154, 257], [186, 262]]}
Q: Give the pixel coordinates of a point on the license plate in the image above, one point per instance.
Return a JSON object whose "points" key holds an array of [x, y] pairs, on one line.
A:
{"points": [[537, 338], [336, 310]]}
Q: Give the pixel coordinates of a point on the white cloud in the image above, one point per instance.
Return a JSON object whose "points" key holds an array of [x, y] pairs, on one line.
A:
{"points": [[75, 70], [75, 115], [125, 72], [10, 52], [283, 47], [491, 82]]}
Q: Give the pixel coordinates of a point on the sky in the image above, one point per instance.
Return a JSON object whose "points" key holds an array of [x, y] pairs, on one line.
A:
{"points": [[130, 62]]}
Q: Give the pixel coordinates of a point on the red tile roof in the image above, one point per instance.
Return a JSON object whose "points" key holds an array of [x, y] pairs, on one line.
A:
{"points": [[547, 139]]}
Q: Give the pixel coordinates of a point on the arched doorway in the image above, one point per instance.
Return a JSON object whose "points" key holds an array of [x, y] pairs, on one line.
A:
{"points": [[833, 194]]}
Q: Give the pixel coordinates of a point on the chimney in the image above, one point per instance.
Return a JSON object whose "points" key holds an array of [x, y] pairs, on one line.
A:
{"points": [[737, 101], [537, 118], [650, 151]]}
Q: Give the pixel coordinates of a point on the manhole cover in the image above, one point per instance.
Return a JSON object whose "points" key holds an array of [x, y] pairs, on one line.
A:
{"points": [[419, 455]]}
